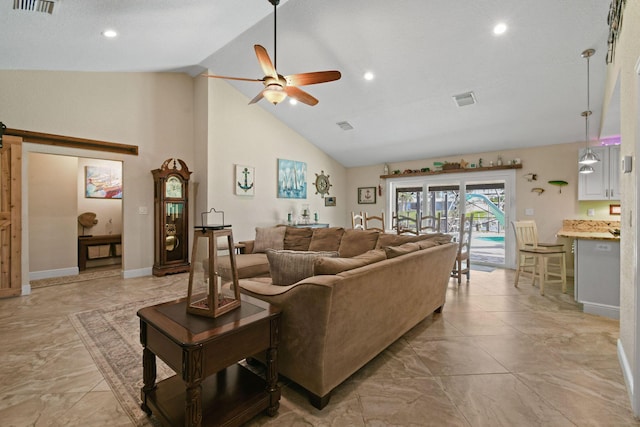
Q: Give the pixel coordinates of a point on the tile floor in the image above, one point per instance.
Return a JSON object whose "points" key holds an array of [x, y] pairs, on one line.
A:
{"points": [[496, 356]]}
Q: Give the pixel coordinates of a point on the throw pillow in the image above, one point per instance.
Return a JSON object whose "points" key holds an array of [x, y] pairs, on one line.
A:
{"points": [[326, 265], [425, 244], [395, 251], [326, 239], [356, 242], [288, 267], [269, 238], [297, 239]]}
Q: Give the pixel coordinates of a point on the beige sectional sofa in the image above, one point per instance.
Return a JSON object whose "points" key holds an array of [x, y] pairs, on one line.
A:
{"points": [[364, 292]]}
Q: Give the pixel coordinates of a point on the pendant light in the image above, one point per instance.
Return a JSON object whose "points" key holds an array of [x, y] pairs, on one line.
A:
{"points": [[589, 157]]}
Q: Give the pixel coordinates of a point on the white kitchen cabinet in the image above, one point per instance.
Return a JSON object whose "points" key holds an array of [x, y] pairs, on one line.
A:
{"points": [[603, 183]]}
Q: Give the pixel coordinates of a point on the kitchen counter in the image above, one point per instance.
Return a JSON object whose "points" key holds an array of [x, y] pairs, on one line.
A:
{"points": [[596, 265], [589, 229]]}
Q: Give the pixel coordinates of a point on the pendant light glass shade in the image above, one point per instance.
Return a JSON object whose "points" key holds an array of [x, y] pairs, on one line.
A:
{"points": [[589, 157], [586, 169]]}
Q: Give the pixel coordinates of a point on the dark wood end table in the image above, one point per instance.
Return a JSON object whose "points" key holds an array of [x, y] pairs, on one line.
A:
{"points": [[210, 388]]}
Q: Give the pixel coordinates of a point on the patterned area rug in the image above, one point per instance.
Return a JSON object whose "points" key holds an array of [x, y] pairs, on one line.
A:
{"points": [[82, 277], [112, 336]]}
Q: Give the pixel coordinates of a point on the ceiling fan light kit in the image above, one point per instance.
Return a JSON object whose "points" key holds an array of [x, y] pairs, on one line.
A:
{"points": [[589, 157], [276, 86]]}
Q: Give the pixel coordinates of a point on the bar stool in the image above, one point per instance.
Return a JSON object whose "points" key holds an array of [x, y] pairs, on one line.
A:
{"points": [[541, 271], [533, 257]]}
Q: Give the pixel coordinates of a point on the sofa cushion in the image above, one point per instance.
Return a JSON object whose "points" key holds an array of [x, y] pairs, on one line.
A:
{"points": [[248, 265], [326, 239], [394, 251], [269, 238], [297, 239], [429, 243], [288, 267], [356, 242], [389, 239], [326, 265]]}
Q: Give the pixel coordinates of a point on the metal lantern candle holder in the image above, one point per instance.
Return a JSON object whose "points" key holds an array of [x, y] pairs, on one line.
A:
{"points": [[210, 293]]}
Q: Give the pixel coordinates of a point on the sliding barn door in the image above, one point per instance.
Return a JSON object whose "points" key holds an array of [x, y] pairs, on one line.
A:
{"points": [[10, 217]]}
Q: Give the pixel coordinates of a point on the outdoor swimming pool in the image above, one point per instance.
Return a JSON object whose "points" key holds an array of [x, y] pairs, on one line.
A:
{"points": [[492, 238]]}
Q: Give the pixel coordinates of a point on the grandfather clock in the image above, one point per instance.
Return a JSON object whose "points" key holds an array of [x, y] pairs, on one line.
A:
{"points": [[171, 218]]}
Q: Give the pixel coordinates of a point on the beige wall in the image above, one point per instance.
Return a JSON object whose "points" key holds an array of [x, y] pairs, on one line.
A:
{"points": [[624, 72], [206, 123], [53, 212], [151, 110], [551, 162], [249, 135]]}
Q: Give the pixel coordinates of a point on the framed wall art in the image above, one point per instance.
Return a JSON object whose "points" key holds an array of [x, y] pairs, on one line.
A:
{"points": [[102, 182], [245, 180], [330, 201], [366, 195], [292, 179]]}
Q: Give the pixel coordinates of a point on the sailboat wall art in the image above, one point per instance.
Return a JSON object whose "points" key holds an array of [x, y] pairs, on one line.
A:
{"points": [[292, 179]]}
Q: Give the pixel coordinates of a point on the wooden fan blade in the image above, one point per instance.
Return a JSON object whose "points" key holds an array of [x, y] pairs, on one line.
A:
{"points": [[265, 61], [313, 78], [257, 98], [213, 76], [300, 95]]}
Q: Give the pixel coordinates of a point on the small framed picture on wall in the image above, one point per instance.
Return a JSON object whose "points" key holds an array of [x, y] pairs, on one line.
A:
{"points": [[330, 201], [366, 195]]}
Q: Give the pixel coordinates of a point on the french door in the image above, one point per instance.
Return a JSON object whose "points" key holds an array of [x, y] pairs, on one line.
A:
{"points": [[488, 195]]}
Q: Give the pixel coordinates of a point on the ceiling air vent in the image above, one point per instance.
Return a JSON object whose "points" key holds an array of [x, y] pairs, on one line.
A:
{"points": [[464, 99], [45, 6], [345, 125]]}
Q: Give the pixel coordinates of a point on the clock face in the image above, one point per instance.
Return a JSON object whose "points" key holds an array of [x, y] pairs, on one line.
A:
{"points": [[322, 184], [173, 187]]}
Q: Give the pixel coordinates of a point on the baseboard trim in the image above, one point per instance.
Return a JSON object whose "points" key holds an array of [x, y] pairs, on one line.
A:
{"points": [[627, 374], [140, 272], [26, 289], [48, 274], [609, 311]]}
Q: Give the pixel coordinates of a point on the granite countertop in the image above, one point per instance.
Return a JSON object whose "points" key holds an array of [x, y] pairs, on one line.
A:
{"points": [[589, 229]]}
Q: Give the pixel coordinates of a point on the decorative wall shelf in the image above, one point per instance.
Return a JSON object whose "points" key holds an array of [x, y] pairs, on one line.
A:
{"points": [[440, 172]]}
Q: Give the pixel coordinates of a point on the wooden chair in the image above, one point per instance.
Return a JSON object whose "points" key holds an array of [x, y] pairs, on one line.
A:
{"points": [[462, 263], [357, 220], [533, 257], [427, 224], [430, 224], [368, 218]]}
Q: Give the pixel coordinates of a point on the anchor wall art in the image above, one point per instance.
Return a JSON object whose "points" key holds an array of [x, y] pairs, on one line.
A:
{"points": [[292, 179], [245, 180]]}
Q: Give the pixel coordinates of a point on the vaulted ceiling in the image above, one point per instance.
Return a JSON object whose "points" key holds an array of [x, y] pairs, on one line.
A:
{"points": [[529, 83]]}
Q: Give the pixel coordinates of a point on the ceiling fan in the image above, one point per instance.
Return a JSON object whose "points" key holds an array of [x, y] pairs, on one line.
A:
{"points": [[276, 86]]}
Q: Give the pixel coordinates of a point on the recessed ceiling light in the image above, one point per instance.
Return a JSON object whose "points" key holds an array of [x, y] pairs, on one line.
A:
{"points": [[368, 75], [110, 34], [500, 28], [293, 101]]}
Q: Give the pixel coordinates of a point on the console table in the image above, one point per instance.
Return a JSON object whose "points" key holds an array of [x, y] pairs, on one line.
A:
{"points": [[85, 241], [210, 388]]}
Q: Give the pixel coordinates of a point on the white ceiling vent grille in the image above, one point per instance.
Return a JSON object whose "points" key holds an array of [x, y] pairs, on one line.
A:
{"points": [[464, 99], [345, 125], [44, 6]]}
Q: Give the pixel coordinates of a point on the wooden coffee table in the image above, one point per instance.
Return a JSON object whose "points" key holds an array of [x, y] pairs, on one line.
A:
{"points": [[210, 388]]}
